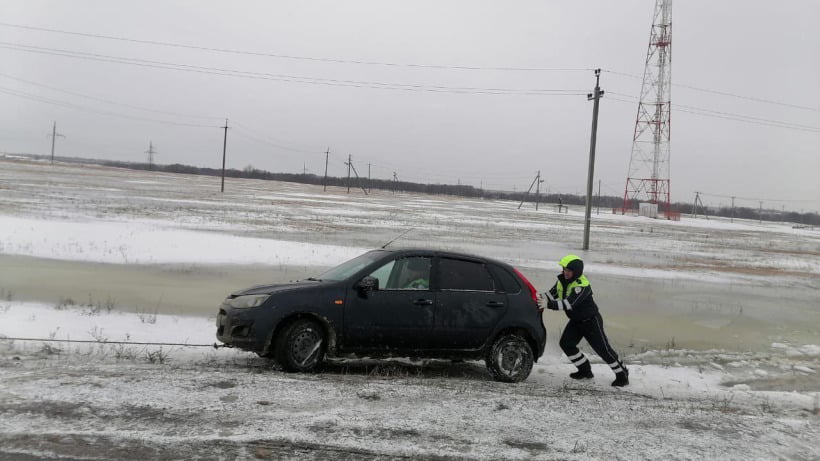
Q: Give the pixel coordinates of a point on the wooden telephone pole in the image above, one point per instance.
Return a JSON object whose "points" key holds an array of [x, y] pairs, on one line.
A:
{"points": [[596, 97], [224, 149], [54, 136]]}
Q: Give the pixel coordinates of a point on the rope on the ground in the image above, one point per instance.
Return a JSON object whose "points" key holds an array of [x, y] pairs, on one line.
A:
{"points": [[135, 343]]}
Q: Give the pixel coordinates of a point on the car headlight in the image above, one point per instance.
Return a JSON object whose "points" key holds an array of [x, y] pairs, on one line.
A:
{"points": [[241, 302]]}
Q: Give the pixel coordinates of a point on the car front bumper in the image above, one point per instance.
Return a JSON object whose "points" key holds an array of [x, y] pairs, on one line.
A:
{"points": [[236, 328]]}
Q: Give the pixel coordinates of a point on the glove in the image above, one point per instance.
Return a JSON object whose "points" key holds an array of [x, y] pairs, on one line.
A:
{"points": [[550, 302]]}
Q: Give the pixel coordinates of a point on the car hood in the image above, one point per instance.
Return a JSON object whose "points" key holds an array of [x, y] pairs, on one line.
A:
{"points": [[275, 288]]}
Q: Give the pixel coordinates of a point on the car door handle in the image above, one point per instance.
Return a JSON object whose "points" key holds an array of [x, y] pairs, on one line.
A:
{"points": [[423, 302], [495, 304]]}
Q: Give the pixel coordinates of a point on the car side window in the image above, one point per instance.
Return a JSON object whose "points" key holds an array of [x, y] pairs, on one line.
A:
{"points": [[412, 273], [383, 274], [457, 274]]}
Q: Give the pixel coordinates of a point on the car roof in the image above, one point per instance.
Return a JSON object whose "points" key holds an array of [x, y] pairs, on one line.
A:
{"points": [[445, 253]]}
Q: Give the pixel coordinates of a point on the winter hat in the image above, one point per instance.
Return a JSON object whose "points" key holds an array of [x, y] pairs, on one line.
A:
{"points": [[574, 264], [577, 267]]}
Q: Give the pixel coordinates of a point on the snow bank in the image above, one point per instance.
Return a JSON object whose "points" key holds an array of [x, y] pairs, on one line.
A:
{"points": [[144, 242]]}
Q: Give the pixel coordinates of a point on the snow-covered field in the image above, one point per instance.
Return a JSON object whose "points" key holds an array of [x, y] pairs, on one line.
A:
{"points": [[719, 322]]}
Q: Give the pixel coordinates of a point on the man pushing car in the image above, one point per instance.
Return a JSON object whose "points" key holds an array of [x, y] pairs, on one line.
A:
{"points": [[572, 293]]}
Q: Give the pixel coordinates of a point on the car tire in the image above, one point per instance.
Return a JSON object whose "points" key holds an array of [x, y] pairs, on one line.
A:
{"points": [[300, 347], [510, 359]]}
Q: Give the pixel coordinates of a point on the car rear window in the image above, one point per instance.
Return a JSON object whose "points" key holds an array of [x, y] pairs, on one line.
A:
{"points": [[507, 280], [457, 274]]}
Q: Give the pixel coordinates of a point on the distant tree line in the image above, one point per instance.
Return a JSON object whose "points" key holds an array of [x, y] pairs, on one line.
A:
{"points": [[606, 202]]}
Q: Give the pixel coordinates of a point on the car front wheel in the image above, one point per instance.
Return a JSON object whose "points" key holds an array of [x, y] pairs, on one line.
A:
{"points": [[510, 359], [300, 346]]}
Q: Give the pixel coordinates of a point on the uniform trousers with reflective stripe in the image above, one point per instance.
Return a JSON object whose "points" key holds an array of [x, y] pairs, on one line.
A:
{"points": [[591, 329]]}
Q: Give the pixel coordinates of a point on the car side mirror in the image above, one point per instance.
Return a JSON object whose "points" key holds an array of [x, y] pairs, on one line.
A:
{"points": [[368, 284]]}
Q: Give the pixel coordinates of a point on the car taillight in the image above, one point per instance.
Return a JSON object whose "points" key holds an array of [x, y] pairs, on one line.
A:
{"points": [[533, 291]]}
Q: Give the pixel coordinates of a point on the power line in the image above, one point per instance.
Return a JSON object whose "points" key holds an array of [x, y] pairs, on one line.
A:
{"points": [[256, 136], [730, 116], [272, 139], [302, 58], [379, 85], [69, 105], [756, 199], [749, 98], [107, 101], [747, 119], [286, 77], [724, 93], [391, 64]]}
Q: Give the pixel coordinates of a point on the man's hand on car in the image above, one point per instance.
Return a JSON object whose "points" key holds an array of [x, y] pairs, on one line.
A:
{"points": [[550, 303]]}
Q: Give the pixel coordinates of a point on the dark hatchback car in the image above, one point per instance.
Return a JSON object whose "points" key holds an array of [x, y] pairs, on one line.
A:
{"points": [[412, 303]]}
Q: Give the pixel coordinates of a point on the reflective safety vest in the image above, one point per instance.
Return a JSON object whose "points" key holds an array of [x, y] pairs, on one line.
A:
{"points": [[579, 282]]}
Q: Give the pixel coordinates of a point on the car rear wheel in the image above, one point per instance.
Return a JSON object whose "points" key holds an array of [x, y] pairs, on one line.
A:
{"points": [[300, 346], [510, 359]]}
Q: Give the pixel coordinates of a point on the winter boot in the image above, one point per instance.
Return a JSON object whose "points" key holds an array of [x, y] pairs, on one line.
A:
{"points": [[621, 378], [584, 372]]}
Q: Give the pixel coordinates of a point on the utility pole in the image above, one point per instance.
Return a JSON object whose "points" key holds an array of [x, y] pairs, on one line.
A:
{"points": [[150, 153], [224, 149], [327, 155], [537, 176], [760, 213], [349, 159], [698, 203], [358, 178], [369, 183], [304, 168], [695, 204], [596, 97], [395, 182], [538, 189], [54, 135]]}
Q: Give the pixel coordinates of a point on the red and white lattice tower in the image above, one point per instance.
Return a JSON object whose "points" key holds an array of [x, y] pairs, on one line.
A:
{"points": [[648, 176]]}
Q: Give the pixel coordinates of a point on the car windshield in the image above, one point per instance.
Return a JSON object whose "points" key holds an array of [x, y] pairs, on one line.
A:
{"points": [[346, 269]]}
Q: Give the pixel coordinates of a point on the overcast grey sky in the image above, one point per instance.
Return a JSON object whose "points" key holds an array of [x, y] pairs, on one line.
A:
{"points": [[311, 75]]}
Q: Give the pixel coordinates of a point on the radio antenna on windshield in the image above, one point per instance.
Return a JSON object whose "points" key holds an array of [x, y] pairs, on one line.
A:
{"points": [[400, 236]]}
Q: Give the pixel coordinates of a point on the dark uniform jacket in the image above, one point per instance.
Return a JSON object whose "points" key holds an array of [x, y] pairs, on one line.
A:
{"points": [[574, 297]]}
